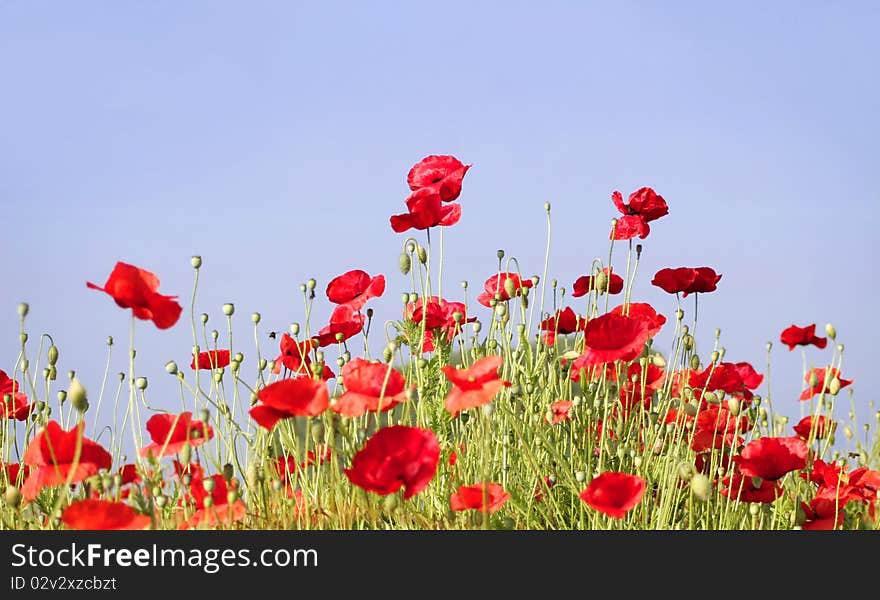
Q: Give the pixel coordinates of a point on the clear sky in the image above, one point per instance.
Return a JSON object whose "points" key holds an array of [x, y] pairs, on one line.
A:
{"points": [[274, 138]]}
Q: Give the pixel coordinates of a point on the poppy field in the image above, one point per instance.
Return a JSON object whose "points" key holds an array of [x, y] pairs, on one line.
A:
{"points": [[526, 403]]}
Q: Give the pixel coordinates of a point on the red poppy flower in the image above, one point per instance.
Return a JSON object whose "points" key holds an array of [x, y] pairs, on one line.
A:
{"points": [[192, 469], [369, 386], [687, 280], [300, 397], [294, 356], [395, 457], [612, 337], [822, 514], [438, 314], [13, 404], [716, 427], [559, 411], [441, 174], [587, 283], [212, 359], [802, 336], [771, 458], [820, 385], [345, 321], [221, 512], [742, 487], [563, 323], [644, 205], [134, 288], [654, 321], [614, 494], [496, 285], [13, 470], [820, 426], [51, 457], [485, 497], [638, 387], [750, 378], [103, 515], [170, 433], [425, 210], [724, 376], [355, 288], [474, 386]]}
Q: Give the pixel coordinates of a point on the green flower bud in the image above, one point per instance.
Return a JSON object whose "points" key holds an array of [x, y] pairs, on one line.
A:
{"points": [[53, 354], [23, 309], [311, 283], [141, 383], [658, 361], [186, 454], [405, 263], [701, 487], [500, 254], [196, 262], [204, 318], [695, 362], [12, 496], [601, 282], [834, 386], [171, 367], [208, 484], [754, 509], [62, 397], [422, 254], [814, 379], [830, 331], [679, 314], [77, 395]]}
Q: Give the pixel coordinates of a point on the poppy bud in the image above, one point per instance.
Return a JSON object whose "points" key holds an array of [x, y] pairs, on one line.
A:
{"points": [[390, 503], [387, 354], [733, 405], [830, 331], [690, 409], [834, 386], [422, 254], [53, 354], [509, 287], [311, 283], [171, 367], [688, 341], [679, 314], [848, 432], [62, 397], [255, 318], [601, 282], [754, 509], [23, 309], [535, 280], [228, 471], [685, 471], [141, 383], [711, 397], [701, 487], [580, 476], [500, 310], [714, 356], [77, 394], [12, 496], [500, 254], [196, 262], [814, 379], [405, 263], [186, 453], [658, 361], [695, 362], [25, 363]]}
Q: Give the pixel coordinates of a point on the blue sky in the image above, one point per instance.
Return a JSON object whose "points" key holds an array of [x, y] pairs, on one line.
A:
{"points": [[274, 138]]}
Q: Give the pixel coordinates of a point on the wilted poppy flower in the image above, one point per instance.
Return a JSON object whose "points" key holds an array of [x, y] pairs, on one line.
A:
{"points": [[13, 404], [345, 323], [771, 458], [51, 457], [294, 356], [585, 284], [614, 494], [355, 288], [558, 412], [654, 321], [369, 386], [498, 285], [485, 497], [395, 457], [819, 384], [802, 336], [212, 359], [821, 427], [300, 397], [220, 512], [425, 210], [644, 206], [439, 173], [822, 514], [564, 323], [103, 515], [687, 280], [134, 288], [750, 489], [475, 385], [170, 433], [612, 337]]}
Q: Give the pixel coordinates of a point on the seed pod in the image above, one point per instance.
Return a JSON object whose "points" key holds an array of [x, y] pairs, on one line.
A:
{"points": [[196, 262]]}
